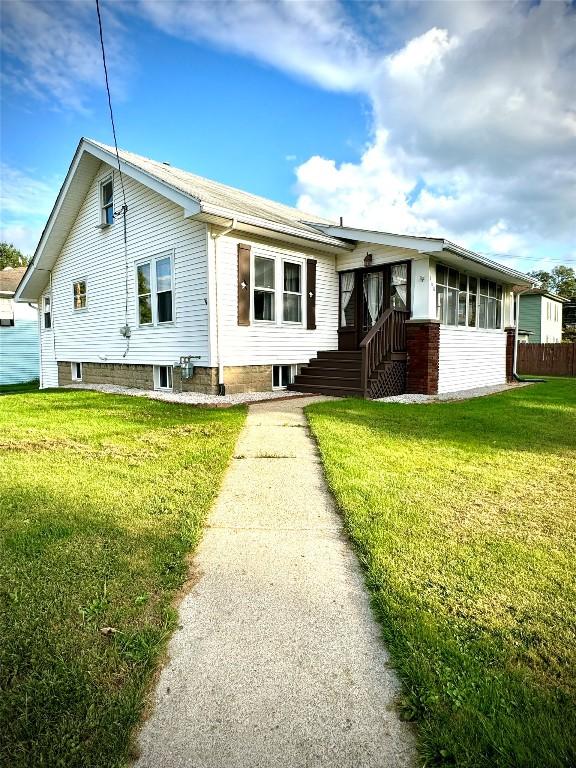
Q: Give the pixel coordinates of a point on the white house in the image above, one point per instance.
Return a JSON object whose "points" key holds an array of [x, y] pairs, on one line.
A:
{"points": [[159, 278], [19, 348]]}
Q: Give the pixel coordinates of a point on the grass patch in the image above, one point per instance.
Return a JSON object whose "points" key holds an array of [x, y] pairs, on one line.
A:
{"points": [[463, 515], [102, 498]]}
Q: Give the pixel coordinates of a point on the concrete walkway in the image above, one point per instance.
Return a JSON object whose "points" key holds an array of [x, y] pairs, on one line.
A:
{"points": [[278, 662]]}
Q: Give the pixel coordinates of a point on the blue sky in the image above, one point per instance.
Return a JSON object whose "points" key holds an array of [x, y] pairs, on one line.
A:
{"points": [[456, 119]]}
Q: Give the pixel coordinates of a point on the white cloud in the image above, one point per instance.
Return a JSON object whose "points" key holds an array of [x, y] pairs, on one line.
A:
{"points": [[474, 105], [52, 51], [25, 202]]}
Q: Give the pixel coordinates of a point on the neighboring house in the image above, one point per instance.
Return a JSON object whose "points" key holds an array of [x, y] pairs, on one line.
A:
{"points": [[218, 290], [19, 348], [541, 313]]}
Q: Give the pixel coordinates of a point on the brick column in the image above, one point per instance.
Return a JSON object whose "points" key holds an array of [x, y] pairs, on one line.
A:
{"points": [[510, 341], [422, 346]]}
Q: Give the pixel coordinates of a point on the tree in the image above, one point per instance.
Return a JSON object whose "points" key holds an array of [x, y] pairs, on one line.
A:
{"points": [[562, 280], [10, 256]]}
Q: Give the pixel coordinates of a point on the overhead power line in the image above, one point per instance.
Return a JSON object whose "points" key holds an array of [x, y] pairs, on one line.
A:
{"points": [[110, 103], [126, 330]]}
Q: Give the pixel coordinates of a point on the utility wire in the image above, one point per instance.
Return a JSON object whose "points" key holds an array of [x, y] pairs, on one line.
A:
{"points": [[110, 101], [125, 205]]}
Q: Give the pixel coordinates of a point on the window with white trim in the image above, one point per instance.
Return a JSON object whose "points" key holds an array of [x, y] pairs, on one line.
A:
{"points": [[464, 300], [155, 291], [282, 375], [292, 292], [264, 288], [107, 202], [162, 377], [47, 312], [79, 294], [76, 371], [6, 312]]}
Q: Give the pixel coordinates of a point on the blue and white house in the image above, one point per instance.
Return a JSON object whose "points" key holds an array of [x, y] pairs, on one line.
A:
{"points": [[19, 343]]}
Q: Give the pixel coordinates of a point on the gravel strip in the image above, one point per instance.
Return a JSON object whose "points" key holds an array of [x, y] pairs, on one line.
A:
{"points": [[461, 394], [189, 398]]}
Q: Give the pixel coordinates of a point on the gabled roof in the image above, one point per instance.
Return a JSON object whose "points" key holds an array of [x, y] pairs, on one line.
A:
{"points": [[546, 294], [215, 203], [217, 198], [10, 278]]}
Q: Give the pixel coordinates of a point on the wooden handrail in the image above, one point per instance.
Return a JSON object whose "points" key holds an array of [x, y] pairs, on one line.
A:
{"points": [[387, 335]]}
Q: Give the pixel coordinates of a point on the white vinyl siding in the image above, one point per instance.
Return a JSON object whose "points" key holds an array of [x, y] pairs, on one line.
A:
{"points": [[471, 357], [265, 342], [155, 226]]}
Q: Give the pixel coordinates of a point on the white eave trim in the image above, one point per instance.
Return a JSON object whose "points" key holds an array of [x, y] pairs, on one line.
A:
{"points": [[428, 245], [266, 224], [414, 243]]}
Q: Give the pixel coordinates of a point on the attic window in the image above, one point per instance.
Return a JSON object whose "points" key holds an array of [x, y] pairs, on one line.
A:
{"points": [[107, 202]]}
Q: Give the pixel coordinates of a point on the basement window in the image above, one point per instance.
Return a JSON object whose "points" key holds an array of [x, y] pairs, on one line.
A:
{"points": [[282, 375], [76, 371], [163, 377]]}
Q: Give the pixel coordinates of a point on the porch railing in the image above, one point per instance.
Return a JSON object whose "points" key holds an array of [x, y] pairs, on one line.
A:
{"points": [[387, 335]]}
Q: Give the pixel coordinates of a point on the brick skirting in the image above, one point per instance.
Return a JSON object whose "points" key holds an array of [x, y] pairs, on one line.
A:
{"points": [[238, 379], [422, 347]]}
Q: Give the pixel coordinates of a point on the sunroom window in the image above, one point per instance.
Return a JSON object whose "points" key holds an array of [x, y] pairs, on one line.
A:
{"points": [[466, 300]]}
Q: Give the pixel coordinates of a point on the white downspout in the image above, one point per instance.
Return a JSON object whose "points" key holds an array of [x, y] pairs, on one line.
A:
{"points": [[219, 356]]}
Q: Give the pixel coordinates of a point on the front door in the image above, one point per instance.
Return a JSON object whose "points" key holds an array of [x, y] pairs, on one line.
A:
{"points": [[364, 295]]}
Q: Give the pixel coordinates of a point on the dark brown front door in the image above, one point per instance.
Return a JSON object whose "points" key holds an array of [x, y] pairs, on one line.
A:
{"points": [[364, 295]]}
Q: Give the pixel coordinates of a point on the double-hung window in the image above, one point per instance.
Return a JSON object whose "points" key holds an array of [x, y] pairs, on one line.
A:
{"points": [[264, 288], [47, 312], [292, 294], [79, 293], [107, 202], [155, 291]]}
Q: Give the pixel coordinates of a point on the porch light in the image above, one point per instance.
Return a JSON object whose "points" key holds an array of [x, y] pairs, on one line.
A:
{"points": [[368, 260]]}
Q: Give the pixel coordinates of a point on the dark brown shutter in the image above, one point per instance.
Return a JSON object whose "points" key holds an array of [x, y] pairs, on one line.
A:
{"points": [[311, 294], [243, 284]]}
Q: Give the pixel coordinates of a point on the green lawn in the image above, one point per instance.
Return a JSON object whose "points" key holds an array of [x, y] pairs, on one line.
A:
{"points": [[101, 500], [464, 517]]}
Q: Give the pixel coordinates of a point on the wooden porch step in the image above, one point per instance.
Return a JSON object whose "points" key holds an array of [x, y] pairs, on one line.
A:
{"points": [[330, 362], [327, 381], [330, 372], [340, 355], [326, 389]]}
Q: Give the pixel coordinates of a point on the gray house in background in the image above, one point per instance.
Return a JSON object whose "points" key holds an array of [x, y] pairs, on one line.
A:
{"points": [[541, 316]]}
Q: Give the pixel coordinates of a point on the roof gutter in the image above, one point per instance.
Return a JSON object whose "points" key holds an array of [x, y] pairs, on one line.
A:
{"points": [[214, 210]]}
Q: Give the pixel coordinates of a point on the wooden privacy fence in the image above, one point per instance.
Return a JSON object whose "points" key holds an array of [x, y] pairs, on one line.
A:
{"points": [[547, 359]]}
